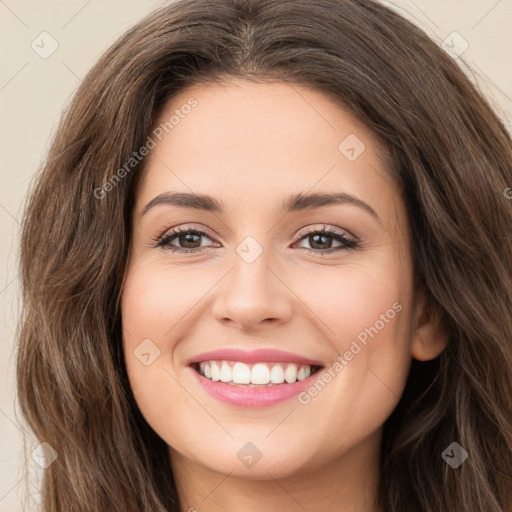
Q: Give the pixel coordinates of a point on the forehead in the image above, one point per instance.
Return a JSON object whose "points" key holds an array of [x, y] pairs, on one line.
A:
{"points": [[262, 140]]}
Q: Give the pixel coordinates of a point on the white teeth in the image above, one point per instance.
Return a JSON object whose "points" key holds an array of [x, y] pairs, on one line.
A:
{"points": [[226, 374], [260, 374], [215, 371], [257, 374], [241, 374], [290, 374], [277, 374]]}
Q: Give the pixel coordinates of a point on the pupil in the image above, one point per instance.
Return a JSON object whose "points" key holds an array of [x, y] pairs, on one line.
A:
{"points": [[324, 237], [187, 238]]}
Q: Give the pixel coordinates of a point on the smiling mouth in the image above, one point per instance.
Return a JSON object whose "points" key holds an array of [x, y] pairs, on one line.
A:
{"points": [[261, 374]]}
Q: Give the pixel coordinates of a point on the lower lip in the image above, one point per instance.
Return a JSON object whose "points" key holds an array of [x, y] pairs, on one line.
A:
{"points": [[246, 396]]}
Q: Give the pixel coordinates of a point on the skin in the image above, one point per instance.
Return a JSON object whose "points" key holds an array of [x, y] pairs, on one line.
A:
{"points": [[251, 146]]}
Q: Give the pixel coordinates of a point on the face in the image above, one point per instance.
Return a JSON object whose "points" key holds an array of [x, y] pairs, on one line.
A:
{"points": [[306, 303]]}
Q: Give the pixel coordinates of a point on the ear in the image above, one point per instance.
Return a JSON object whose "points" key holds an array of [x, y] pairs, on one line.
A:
{"points": [[429, 334]]}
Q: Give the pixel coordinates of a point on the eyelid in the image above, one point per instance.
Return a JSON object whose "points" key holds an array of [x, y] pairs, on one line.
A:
{"points": [[325, 228], [183, 228]]}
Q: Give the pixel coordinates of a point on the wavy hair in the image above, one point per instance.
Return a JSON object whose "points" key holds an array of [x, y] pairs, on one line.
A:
{"points": [[445, 147]]}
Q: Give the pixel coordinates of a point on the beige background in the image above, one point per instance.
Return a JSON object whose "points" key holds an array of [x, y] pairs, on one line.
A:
{"points": [[33, 91]]}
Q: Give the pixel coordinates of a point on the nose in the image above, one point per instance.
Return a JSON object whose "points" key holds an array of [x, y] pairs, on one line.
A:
{"points": [[253, 296]]}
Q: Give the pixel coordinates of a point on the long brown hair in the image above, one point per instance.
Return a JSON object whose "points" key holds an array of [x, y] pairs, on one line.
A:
{"points": [[447, 150]]}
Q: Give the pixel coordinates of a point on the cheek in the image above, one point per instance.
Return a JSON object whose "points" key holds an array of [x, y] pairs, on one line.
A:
{"points": [[367, 314], [360, 303], [161, 305], [152, 303], [158, 301]]}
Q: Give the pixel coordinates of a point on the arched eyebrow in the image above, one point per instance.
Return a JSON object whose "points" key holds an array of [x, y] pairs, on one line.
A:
{"points": [[297, 202], [301, 202]]}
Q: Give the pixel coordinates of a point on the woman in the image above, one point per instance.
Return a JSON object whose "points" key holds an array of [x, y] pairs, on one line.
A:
{"points": [[267, 265]]}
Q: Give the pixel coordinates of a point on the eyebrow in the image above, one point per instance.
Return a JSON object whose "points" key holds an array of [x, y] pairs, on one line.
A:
{"points": [[298, 202]]}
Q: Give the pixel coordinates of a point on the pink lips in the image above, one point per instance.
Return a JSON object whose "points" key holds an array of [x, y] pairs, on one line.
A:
{"points": [[262, 355], [244, 395]]}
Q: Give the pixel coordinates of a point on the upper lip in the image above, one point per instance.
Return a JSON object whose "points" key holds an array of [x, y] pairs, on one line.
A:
{"points": [[261, 355]]}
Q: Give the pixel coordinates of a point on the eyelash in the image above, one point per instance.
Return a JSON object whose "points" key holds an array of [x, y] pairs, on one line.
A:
{"points": [[348, 242]]}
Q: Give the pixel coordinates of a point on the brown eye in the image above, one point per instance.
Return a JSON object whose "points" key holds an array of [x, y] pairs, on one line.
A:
{"points": [[189, 240], [320, 241]]}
